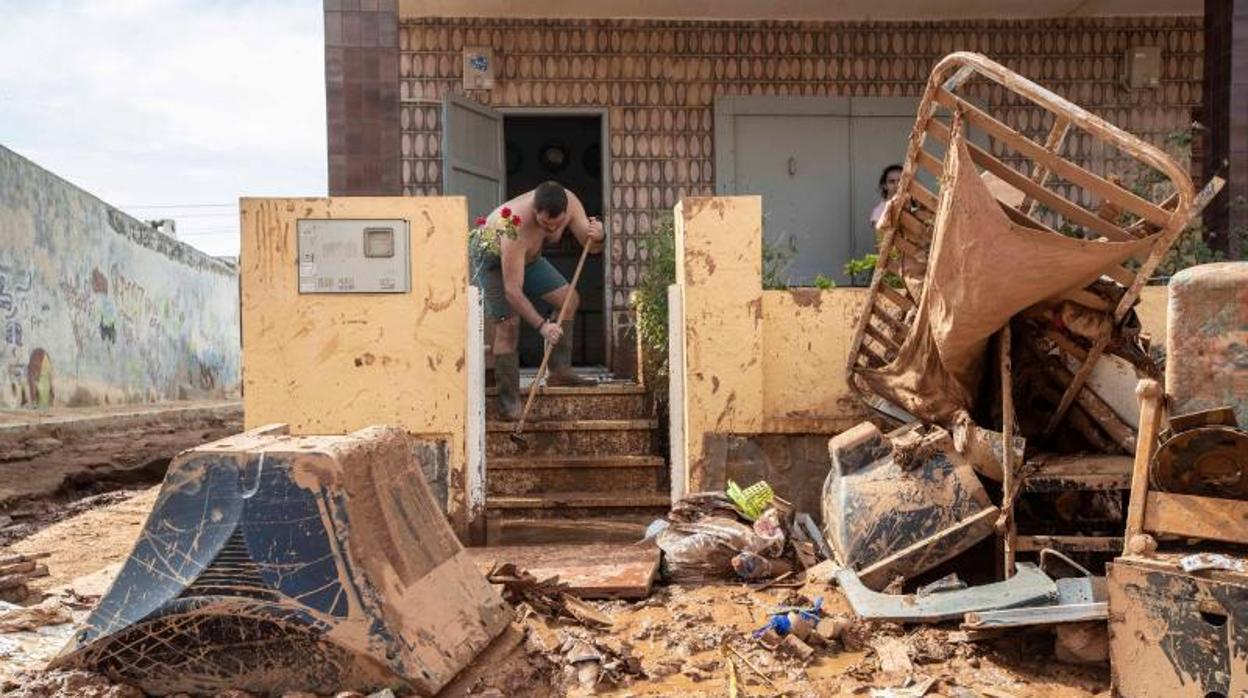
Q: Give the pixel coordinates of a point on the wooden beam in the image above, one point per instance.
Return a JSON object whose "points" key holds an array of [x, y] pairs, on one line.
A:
{"points": [[1008, 486], [1087, 544], [1048, 160], [1052, 144], [1187, 515], [1074, 386], [1070, 210], [884, 340], [1150, 396]]}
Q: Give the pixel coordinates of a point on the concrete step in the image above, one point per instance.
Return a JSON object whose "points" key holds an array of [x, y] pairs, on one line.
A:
{"points": [[585, 437], [579, 506], [609, 401], [527, 476], [524, 531]]}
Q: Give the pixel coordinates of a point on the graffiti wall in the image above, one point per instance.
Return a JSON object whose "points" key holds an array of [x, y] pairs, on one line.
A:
{"points": [[98, 308]]}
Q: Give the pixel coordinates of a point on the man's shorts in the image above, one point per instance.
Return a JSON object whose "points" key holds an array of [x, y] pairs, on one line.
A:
{"points": [[540, 278]]}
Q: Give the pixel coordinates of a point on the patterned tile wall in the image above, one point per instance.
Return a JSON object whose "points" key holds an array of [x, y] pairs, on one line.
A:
{"points": [[659, 80]]}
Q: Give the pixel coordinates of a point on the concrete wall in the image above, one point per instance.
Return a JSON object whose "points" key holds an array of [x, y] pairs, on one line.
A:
{"points": [[749, 365], [95, 307], [335, 363]]}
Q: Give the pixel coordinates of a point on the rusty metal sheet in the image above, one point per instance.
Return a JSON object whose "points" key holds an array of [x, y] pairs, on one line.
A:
{"points": [[1177, 634], [285, 563], [591, 571]]}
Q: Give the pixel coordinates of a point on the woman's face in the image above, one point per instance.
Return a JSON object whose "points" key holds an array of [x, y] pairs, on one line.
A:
{"points": [[891, 180]]}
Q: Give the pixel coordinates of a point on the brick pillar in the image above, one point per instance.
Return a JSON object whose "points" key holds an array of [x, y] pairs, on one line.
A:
{"points": [[1226, 116], [362, 96]]}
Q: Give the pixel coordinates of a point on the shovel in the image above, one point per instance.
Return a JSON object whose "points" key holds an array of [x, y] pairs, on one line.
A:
{"points": [[516, 436]]}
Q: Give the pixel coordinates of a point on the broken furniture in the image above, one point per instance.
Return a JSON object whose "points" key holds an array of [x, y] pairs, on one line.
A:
{"points": [[286, 563], [1179, 608], [1176, 633], [1017, 253], [898, 504]]}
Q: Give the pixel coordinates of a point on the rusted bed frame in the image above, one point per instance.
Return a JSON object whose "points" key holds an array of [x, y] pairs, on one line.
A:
{"points": [[906, 236]]}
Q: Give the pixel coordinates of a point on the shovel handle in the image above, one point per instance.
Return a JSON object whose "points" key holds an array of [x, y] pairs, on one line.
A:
{"points": [[541, 370]]}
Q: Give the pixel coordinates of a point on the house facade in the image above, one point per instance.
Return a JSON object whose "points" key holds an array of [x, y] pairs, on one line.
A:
{"points": [[804, 105]]}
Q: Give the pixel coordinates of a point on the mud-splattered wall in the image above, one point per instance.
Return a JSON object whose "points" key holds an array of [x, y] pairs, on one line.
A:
{"points": [[97, 308]]}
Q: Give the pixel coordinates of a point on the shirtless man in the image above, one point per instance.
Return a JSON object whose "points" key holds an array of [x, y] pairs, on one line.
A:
{"points": [[520, 273]]}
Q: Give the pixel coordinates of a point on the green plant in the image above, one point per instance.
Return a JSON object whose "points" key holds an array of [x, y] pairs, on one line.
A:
{"points": [[861, 270], [776, 258], [649, 297], [824, 283]]}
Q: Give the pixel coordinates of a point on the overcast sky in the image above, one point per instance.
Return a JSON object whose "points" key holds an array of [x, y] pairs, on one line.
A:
{"points": [[169, 108]]}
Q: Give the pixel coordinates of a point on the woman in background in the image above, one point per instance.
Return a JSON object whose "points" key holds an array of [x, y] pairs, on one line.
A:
{"points": [[889, 179]]}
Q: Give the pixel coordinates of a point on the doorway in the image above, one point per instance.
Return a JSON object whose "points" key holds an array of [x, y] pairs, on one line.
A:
{"points": [[566, 148]]}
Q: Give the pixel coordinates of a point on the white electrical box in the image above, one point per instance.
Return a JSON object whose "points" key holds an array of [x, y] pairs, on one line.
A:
{"points": [[354, 256]]}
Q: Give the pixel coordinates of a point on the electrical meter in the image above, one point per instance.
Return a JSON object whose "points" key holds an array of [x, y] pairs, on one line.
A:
{"points": [[354, 256]]}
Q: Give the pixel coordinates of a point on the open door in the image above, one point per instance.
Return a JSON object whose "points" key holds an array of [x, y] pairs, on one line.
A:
{"points": [[472, 166], [472, 154]]}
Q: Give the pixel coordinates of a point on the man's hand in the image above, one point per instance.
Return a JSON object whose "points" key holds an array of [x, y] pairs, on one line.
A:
{"points": [[551, 332], [595, 236]]}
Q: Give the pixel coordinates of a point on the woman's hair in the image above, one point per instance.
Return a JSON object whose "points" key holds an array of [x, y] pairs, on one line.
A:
{"points": [[884, 177]]}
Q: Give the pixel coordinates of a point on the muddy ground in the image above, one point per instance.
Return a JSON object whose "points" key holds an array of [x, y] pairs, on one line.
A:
{"points": [[672, 643]]}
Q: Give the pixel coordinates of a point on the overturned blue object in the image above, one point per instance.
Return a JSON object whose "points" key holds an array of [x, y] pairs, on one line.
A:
{"points": [[276, 563]]}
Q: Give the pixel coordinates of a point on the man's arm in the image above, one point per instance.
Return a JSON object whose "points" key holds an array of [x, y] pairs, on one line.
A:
{"points": [[586, 230], [512, 255]]}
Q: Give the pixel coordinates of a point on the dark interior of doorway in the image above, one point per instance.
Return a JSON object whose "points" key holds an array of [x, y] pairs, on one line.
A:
{"points": [[568, 150]]}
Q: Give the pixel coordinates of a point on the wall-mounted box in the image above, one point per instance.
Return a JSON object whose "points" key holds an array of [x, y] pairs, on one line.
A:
{"points": [[353, 256]]}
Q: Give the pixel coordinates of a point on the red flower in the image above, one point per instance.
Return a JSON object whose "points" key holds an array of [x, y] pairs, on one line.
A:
{"points": [[505, 213], [480, 221], [515, 220]]}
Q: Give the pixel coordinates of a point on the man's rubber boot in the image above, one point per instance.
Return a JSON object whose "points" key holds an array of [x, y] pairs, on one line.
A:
{"points": [[561, 373], [507, 379]]}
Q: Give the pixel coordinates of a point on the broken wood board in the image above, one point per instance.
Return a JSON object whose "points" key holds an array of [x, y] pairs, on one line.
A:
{"points": [[591, 571]]}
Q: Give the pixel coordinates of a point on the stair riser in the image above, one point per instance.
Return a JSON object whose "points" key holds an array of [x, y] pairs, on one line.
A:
{"points": [[566, 407], [606, 442], [553, 531], [569, 479], [639, 513]]}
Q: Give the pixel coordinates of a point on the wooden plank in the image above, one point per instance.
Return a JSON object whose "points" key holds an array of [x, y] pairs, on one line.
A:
{"points": [[1087, 544], [887, 317], [1196, 517], [1074, 389], [1056, 164], [1008, 486], [1067, 345], [1150, 396], [874, 357], [592, 571], [1080, 473], [914, 226], [895, 297], [922, 195], [887, 342], [1016, 179]]}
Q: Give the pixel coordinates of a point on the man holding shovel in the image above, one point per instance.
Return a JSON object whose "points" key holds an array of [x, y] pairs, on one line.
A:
{"points": [[519, 273]]}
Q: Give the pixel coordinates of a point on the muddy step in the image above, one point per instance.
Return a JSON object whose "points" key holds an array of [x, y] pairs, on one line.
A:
{"points": [[586, 437], [626, 401], [524, 475], [524, 531], [582, 506]]}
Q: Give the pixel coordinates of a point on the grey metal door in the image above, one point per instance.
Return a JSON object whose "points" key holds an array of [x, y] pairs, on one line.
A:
{"points": [[472, 154], [800, 165]]}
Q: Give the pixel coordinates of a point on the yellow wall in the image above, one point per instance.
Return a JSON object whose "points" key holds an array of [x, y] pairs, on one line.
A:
{"points": [[755, 361], [806, 340], [766, 362], [333, 364]]}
